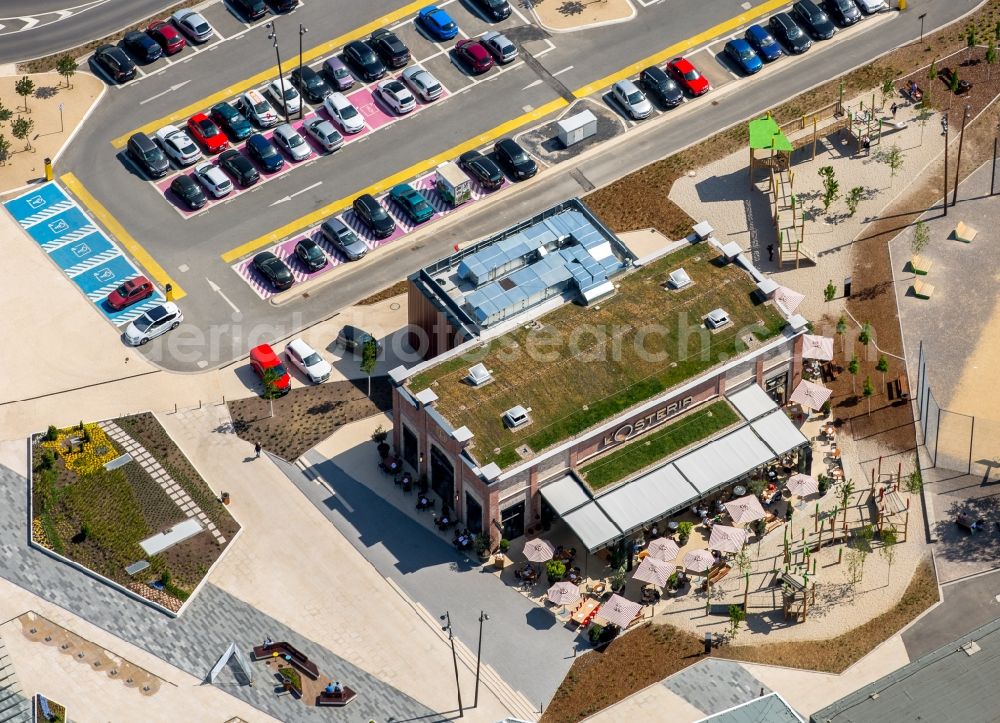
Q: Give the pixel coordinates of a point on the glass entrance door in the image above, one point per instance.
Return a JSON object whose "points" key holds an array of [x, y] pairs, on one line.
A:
{"points": [[512, 520], [473, 513]]}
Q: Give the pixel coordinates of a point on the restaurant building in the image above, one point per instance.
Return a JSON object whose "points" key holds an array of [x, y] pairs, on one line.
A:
{"points": [[570, 378]]}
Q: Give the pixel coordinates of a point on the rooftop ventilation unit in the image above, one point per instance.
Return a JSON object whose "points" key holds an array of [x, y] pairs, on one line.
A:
{"points": [[479, 375], [679, 279], [516, 416], [716, 318]]}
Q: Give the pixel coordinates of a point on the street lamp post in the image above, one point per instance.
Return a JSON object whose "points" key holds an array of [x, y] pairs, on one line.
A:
{"points": [[273, 35], [454, 658], [921, 19], [302, 31], [944, 122], [479, 653], [958, 161]]}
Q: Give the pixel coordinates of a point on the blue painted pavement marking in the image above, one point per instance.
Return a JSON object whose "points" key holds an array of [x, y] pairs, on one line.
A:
{"points": [[26, 208], [73, 253]]}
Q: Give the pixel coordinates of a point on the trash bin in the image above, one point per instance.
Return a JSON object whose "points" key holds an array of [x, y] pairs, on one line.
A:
{"points": [[225, 498]]}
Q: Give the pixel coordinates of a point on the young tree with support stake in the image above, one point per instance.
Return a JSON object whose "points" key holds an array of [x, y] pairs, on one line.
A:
{"points": [[369, 358], [842, 330], [25, 87], [853, 367], [889, 540], [883, 367], [66, 67], [5, 113], [270, 377], [846, 490], [4, 149], [868, 389], [21, 129]]}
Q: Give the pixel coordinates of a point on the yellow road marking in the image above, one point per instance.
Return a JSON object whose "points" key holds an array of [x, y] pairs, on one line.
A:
{"points": [[417, 169], [272, 72], [681, 47], [131, 245]]}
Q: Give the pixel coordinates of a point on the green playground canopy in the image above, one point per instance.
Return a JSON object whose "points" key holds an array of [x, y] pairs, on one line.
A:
{"points": [[765, 134]]}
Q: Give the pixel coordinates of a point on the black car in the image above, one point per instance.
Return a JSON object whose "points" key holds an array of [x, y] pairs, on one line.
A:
{"points": [[390, 48], [789, 34], [493, 9], [514, 158], [661, 86], [844, 12], [284, 6], [311, 84], [374, 216], [481, 168], [351, 338], [142, 47], [814, 20], [113, 61], [189, 192], [250, 9], [239, 167], [231, 120], [359, 54], [274, 270], [310, 254], [265, 152]]}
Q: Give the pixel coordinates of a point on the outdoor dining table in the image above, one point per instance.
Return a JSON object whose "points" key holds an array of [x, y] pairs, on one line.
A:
{"points": [[588, 606], [739, 490]]}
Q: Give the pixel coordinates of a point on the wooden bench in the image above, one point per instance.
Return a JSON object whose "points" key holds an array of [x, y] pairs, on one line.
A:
{"points": [[920, 265], [337, 700], [300, 661], [715, 574], [965, 234], [922, 290]]}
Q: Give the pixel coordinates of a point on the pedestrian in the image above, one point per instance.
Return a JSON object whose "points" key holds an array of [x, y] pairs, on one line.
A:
{"points": [[770, 252], [256, 450], [894, 108]]}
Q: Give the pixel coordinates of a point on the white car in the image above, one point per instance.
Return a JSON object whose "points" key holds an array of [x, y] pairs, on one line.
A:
{"points": [[423, 83], [290, 139], [869, 7], [397, 96], [499, 45], [343, 112], [158, 320], [178, 145], [289, 98], [633, 100], [213, 179], [256, 108], [193, 24], [323, 132], [308, 361]]}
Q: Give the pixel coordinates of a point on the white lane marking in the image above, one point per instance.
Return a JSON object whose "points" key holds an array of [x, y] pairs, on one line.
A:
{"points": [[218, 290], [171, 89], [290, 196], [564, 70], [532, 84]]}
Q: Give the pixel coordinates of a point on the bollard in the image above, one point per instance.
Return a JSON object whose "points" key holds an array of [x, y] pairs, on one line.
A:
{"points": [[169, 292], [48, 169]]}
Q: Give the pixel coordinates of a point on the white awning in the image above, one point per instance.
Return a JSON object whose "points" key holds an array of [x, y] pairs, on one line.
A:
{"points": [[647, 498], [777, 430], [564, 495], [817, 347], [724, 460], [592, 526], [752, 402]]}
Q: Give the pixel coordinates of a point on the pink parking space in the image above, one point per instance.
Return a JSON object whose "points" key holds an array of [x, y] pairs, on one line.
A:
{"points": [[375, 113], [364, 233], [286, 252]]}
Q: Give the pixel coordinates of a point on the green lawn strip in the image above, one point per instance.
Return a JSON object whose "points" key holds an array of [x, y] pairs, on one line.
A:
{"points": [[51, 534], [641, 453]]}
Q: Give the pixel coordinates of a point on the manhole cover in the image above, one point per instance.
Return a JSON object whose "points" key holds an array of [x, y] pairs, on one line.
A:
{"points": [[394, 306]]}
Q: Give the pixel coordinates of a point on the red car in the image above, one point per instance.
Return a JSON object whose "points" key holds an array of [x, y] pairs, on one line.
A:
{"points": [[131, 292], [167, 36], [474, 55], [262, 358], [688, 76], [203, 129]]}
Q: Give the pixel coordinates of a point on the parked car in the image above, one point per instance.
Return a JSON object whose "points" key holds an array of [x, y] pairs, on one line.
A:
{"points": [[155, 322], [178, 145], [343, 239], [142, 47], [257, 109], [284, 6], [352, 338], [365, 61], [816, 22], [688, 76], [499, 45], [308, 361], [239, 167], [193, 24], [250, 9], [323, 132], [661, 86], [412, 201], [515, 159], [374, 216], [131, 292], [633, 100], [148, 155], [274, 270], [284, 95], [739, 51], [397, 96], [261, 149], [310, 255], [204, 130], [476, 58], [292, 141], [788, 32], [337, 74], [231, 120], [494, 10], [437, 23], [188, 192], [310, 84], [843, 12], [870, 7], [262, 359], [213, 179], [423, 83], [113, 61], [390, 48], [764, 43], [481, 168], [167, 36], [343, 112]]}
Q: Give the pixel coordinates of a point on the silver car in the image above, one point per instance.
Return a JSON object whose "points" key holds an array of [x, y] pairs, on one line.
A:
{"points": [[288, 138], [213, 179], [633, 100], [423, 83], [344, 113], [323, 132], [396, 95], [193, 24], [500, 46], [158, 320], [342, 238], [178, 145]]}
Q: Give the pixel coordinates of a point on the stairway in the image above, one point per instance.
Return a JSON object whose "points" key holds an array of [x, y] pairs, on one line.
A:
{"points": [[14, 706]]}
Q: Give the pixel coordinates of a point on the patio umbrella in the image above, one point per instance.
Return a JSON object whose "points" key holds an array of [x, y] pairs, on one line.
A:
{"points": [[663, 549], [654, 571], [564, 593], [727, 539], [817, 347], [619, 611], [745, 509], [539, 550], [810, 394], [802, 485], [699, 560], [788, 299]]}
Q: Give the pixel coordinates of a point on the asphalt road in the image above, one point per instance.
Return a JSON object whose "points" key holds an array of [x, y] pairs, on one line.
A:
{"points": [[195, 244]]}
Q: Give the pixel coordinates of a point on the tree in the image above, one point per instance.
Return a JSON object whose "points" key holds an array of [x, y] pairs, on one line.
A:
{"points": [[853, 366], [5, 113], [21, 128], [889, 540], [921, 237], [842, 330], [888, 89], [970, 41], [991, 58], [868, 389], [369, 358], [736, 616], [25, 87], [932, 72], [830, 291], [953, 82], [4, 149], [893, 157], [865, 335], [854, 197], [882, 366], [914, 481], [855, 567], [846, 490], [270, 378], [831, 187], [66, 67], [924, 114]]}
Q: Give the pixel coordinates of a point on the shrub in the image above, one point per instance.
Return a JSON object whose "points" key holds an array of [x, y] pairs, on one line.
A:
{"points": [[48, 460], [595, 633], [504, 545], [684, 532], [482, 543], [555, 570], [379, 435], [292, 676], [51, 434]]}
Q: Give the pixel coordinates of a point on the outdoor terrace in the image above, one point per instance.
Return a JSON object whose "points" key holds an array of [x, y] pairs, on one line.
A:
{"points": [[578, 366]]}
